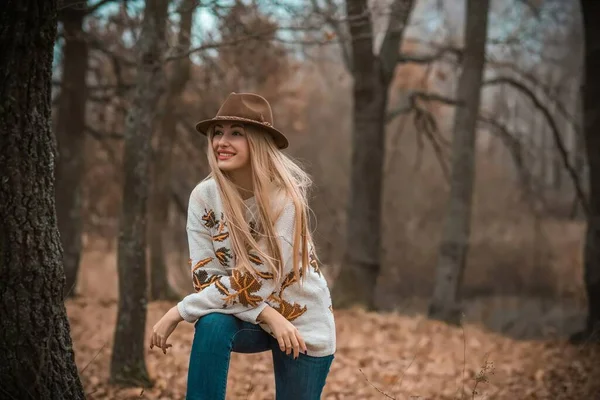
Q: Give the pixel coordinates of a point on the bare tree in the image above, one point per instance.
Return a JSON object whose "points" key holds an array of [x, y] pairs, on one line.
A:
{"points": [[591, 105], [455, 237], [127, 365], [372, 76], [161, 189], [70, 136], [38, 360]]}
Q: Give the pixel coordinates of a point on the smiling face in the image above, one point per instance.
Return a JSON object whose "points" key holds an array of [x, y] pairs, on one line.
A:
{"points": [[230, 145]]}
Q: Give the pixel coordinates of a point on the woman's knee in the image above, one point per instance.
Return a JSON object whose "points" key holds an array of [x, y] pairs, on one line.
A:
{"points": [[216, 330], [224, 321]]}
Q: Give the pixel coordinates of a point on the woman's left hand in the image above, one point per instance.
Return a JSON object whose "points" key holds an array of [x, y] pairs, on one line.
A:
{"points": [[163, 329]]}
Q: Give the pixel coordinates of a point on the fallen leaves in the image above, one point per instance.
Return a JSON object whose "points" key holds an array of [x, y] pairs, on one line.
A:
{"points": [[378, 355]]}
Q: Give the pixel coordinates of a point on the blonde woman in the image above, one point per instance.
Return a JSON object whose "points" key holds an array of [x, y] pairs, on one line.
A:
{"points": [[255, 272]]}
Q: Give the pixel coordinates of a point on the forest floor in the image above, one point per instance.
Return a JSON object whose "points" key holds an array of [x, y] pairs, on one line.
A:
{"points": [[379, 356]]}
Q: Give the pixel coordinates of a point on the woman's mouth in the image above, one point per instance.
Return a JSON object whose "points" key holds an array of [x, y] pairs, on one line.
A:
{"points": [[224, 155]]}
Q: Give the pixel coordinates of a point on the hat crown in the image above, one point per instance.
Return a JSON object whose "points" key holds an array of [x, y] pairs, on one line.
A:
{"points": [[247, 106]]}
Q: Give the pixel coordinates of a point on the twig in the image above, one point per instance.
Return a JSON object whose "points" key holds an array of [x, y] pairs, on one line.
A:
{"points": [[87, 365], [375, 387]]}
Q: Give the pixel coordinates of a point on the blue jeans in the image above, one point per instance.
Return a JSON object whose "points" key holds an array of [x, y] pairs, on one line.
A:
{"points": [[217, 335]]}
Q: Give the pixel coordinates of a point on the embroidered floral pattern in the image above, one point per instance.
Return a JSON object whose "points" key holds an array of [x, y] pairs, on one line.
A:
{"points": [[223, 255], [209, 219], [202, 280], [288, 310], [220, 237], [244, 286]]}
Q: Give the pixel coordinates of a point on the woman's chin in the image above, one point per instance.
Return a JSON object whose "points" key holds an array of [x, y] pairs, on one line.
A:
{"points": [[227, 165]]}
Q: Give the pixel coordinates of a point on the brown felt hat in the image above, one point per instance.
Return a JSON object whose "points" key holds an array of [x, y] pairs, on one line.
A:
{"points": [[248, 108]]}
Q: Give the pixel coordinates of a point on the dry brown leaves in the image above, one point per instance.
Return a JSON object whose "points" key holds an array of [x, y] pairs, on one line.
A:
{"points": [[379, 356]]}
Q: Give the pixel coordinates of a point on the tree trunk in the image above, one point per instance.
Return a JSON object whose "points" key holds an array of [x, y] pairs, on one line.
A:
{"points": [[71, 138], [372, 75], [591, 104], [579, 162], [127, 365], [38, 360], [455, 237], [160, 289]]}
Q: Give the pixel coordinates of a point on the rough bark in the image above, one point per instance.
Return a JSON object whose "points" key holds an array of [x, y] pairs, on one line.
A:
{"points": [[454, 244], [37, 353], [160, 289], [372, 75], [591, 107], [128, 366], [71, 138]]}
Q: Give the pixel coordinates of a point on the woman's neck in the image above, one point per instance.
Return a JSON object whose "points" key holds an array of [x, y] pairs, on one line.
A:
{"points": [[243, 180]]}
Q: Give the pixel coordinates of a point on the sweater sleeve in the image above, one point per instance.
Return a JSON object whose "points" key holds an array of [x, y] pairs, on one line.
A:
{"points": [[242, 293]]}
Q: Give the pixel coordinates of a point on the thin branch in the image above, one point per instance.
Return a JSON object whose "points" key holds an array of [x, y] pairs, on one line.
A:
{"points": [[336, 26], [555, 132], [93, 8], [397, 24], [216, 45], [404, 58], [100, 45], [515, 148], [545, 89], [413, 96], [425, 123], [375, 387]]}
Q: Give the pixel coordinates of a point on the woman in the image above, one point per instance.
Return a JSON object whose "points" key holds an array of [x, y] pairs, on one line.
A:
{"points": [[255, 272]]}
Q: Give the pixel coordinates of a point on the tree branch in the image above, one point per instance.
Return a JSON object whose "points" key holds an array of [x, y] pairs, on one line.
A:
{"points": [[412, 98], [555, 132], [93, 8], [425, 123], [545, 89], [404, 58], [336, 26], [99, 45], [216, 45], [515, 148], [398, 22]]}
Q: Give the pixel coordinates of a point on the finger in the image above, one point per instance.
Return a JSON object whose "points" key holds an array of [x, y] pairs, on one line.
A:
{"points": [[281, 343], [295, 345], [301, 342], [288, 345], [153, 340]]}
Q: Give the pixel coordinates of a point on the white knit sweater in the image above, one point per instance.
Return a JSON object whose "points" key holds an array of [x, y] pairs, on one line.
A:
{"points": [[222, 288]]}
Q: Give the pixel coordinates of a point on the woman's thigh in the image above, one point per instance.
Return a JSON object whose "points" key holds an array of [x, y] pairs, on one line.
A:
{"points": [[225, 332], [300, 379]]}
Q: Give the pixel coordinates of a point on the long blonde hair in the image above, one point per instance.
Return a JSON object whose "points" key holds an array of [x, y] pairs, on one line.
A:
{"points": [[273, 172]]}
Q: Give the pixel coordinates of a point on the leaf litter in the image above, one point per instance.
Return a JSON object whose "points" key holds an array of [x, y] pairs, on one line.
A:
{"points": [[379, 356]]}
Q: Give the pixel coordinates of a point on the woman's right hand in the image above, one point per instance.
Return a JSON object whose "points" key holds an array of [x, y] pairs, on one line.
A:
{"points": [[285, 332]]}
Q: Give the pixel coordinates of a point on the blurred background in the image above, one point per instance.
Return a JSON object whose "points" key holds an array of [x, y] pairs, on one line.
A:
{"points": [[392, 94]]}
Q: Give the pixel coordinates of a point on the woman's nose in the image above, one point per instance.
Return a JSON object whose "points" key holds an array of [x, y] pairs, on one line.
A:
{"points": [[224, 140]]}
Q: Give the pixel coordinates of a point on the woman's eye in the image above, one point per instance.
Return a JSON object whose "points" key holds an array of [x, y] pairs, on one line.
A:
{"points": [[218, 133], [236, 133]]}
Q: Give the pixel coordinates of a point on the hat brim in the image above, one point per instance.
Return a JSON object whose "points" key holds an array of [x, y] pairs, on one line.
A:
{"points": [[280, 140]]}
